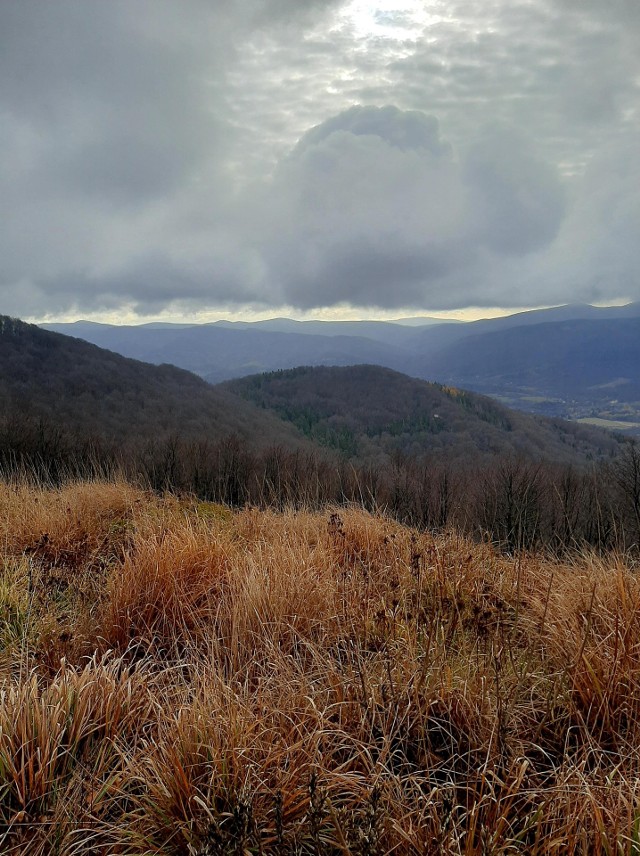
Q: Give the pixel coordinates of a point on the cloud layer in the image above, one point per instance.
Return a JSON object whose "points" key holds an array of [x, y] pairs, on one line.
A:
{"points": [[182, 157]]}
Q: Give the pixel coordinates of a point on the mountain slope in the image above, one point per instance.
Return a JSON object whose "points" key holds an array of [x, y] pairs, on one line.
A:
{"points": [[430, 341], [221, 351], [578, 366], [95, 392], [369, 413], [576, 361]]}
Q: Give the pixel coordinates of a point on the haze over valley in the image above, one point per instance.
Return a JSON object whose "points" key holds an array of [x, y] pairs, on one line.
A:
{"points": [[251, 187], [575, 362]]}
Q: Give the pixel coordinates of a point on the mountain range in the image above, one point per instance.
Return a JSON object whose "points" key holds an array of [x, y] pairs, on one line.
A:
{"points": [[366, 414], [577, 361]]}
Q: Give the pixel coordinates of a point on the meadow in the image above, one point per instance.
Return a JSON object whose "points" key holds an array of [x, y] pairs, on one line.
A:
{"points": [[177, 677]]}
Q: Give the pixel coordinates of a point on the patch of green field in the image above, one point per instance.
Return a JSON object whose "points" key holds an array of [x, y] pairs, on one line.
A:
{"points": [[612, 424]]}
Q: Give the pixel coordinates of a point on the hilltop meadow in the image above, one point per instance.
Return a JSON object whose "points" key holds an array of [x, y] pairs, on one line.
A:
{"points": [[328, 543], [179, 677], [323, 611]]}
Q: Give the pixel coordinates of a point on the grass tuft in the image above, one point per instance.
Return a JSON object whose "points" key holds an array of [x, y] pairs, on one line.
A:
{"points": [[178, 678]]}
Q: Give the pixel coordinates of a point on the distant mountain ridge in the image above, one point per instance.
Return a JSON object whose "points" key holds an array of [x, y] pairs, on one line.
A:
{"points": [[559, 361], [222, 351], [567, 357], [365, 413], [577, 368]]}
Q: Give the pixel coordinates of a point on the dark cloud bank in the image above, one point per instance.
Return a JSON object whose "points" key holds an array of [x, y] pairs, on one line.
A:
{"points": [[192, 155]]}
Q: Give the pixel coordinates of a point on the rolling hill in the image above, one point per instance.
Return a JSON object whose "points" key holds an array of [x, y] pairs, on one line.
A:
{"points": [[371, 413], [576, 361], [91, 391]]}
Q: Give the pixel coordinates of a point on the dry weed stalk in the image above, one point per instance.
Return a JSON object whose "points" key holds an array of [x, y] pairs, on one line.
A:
{"points": [[179, 679]]}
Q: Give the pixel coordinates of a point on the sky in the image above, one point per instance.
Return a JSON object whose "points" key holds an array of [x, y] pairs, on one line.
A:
{"points": [[200, 159]]}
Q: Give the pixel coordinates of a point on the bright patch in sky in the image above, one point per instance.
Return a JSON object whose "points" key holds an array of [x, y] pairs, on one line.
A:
{"points": [[393, 19]]}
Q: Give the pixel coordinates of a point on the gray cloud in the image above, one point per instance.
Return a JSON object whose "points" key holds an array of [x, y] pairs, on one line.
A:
{"points": [[403, 130], [596, 253], [155, 154], [564, 73], [372, 207], [117, 113], [515, 198], [116, 147]]}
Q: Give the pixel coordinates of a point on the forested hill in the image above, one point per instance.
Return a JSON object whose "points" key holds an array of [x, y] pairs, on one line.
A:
{"points": [[576, 361], [369, 412], [88, 391]]}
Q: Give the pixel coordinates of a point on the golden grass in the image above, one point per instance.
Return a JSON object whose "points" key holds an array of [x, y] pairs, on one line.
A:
{"points": [[176, 678]]}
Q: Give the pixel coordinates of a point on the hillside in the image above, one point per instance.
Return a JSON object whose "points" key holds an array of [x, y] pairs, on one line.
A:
{"points": [[222, 351], [575, 367], [85, 390], [430, 340], [369, 412], [432, 456], [575, 361]]}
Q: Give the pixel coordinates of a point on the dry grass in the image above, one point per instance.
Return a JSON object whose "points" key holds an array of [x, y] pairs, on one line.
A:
{"points": [[179, 679]]}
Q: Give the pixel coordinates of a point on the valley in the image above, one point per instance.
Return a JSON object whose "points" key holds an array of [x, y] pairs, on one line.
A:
{"points": [[329, 609], [573, 362], [432, 455]]}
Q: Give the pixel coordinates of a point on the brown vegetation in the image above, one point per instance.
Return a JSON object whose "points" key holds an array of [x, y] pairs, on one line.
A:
{"points": [[181, 678]]}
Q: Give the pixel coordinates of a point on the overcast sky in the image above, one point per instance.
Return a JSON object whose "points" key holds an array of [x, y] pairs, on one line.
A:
{"points": [[194, 159]]}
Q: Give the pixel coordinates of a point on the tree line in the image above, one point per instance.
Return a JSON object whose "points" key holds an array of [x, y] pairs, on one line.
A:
{"points": [[515, 502]]}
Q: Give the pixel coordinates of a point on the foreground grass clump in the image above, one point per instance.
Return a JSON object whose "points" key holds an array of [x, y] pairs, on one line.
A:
{"points": [[180, 679]]}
